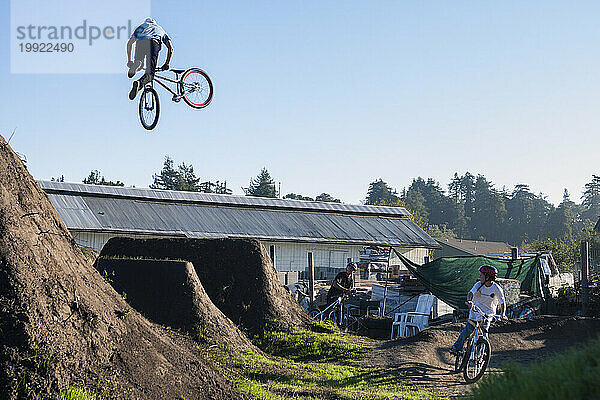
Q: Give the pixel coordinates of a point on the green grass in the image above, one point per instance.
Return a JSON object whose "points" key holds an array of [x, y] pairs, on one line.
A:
{"points": [[76, 393], [574, 374], [303, 345], [333, 372]]}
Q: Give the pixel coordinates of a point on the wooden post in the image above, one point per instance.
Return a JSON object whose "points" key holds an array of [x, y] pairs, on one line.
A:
{"points": [[585, 268], [311, 278]]}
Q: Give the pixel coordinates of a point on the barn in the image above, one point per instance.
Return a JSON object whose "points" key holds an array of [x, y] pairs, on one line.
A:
{"points": [[290, 230]]}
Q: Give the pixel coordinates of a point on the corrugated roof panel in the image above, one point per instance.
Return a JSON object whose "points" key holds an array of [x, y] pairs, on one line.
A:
{"points": [[167, 195], [193, 220]]}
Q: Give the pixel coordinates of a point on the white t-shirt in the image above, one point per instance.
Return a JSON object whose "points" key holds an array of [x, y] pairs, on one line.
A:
{"points": [[486, 298]]}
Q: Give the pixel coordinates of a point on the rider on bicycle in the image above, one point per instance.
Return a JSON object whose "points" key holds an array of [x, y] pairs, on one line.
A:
{"points": [[148, 38], [342, 284], [486, 295]]}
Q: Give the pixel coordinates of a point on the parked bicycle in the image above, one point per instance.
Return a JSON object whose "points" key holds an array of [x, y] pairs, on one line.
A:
{"points": [[474, 360], [192, 85]]}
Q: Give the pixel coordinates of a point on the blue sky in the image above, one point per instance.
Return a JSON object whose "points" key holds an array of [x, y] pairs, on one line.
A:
{"points": [[332, 95]]}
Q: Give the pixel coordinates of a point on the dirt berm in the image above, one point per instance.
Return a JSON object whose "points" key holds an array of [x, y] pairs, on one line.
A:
{"points": [[170, 294], [237, 274], [62, 324]]}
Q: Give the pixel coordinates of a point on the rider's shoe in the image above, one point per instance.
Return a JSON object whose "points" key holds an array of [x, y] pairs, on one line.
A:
{"points": [[131, 73], [134, 90]]}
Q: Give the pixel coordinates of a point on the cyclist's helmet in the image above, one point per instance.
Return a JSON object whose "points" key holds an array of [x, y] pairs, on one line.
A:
{"points": [[351, 267], [490, 272]]}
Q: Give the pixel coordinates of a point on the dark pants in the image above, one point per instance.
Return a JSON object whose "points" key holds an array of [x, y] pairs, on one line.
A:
{"points": [[146, 49], [466, 332]]}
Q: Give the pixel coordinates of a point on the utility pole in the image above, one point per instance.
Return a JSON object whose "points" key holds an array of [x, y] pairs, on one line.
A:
{"points": [[585, 268]]}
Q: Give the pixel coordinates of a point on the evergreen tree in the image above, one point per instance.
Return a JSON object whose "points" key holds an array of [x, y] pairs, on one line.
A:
{"points": [[591, 200], [294, 196], [379, 193], [168, 178], [325, 197], [262, 185], [187, 180], [94, 178]]}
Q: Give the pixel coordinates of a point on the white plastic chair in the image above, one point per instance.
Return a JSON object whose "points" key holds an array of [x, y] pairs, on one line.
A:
{"points": [[413, 321]]}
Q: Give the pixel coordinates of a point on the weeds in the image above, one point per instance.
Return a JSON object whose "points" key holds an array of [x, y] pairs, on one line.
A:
{"points": [[574, 374], [76, 393], [284, 377]]}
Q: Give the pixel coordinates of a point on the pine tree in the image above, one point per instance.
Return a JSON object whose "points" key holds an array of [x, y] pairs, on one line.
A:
{"points": [[326, 197], [168, 177], [262, 185], [379, 193], [591, 200]]}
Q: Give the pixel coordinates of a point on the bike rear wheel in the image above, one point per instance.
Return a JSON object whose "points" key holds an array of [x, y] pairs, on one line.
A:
{"points": [[196, 88], [476, 365], [149, 108]]}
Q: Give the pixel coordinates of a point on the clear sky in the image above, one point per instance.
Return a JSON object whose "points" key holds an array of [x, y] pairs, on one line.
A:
{"points": [[331, 95]]}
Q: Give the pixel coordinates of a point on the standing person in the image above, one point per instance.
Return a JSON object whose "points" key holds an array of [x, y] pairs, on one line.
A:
{"points": [[485, 294], [148, 38]]}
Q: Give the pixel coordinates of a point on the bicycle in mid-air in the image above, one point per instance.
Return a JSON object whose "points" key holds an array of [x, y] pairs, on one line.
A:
{"points": [[474, 360], [192, 85]]}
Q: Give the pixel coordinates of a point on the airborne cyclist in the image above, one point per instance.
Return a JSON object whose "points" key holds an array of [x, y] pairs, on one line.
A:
{"points": [[148, 38]]}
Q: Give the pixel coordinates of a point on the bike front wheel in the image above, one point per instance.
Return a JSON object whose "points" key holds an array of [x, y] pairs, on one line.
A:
{"points": [[478, 361], [196, 88], [149, 108]]}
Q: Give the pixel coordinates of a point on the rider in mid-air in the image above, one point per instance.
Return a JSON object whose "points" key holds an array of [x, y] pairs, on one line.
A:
{"points": [[148, 38], [485, 294]]}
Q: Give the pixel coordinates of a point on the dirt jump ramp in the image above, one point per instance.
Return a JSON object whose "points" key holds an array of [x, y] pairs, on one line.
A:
{"points": [[61, 324], [237, 274], [169, 293]]}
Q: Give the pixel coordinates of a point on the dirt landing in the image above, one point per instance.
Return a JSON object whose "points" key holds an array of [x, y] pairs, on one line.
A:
{"points": [[170, 294], [237, 275], [62, 324], [425, 358]]}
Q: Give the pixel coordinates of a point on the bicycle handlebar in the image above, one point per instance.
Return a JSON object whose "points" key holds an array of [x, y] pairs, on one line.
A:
{"points": [[488, 316]]}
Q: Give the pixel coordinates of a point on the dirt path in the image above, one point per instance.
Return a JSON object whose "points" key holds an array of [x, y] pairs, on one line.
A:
{"points": [[425, 359]]}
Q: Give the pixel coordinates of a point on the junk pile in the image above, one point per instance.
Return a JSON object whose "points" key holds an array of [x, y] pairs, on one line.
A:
{"points": [[61, 324]]}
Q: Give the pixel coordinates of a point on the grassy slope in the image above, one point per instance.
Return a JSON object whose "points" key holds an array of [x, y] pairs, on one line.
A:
{"points": [[574, 374], [310, 365]]}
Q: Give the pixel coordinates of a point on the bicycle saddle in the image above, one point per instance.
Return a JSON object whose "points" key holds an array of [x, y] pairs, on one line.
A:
{"points": [[177, 71]]}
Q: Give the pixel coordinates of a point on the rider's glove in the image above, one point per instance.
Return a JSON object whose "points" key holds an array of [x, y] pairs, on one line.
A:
{"points": [[165, 67]]}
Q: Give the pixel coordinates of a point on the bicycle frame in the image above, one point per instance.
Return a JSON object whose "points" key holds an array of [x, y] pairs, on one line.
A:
{"points": [[160, 78]]}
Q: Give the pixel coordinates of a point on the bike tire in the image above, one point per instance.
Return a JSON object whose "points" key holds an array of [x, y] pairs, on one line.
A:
{"points": [[196, 88], [149, 108], [474, 369], [313, 314]]}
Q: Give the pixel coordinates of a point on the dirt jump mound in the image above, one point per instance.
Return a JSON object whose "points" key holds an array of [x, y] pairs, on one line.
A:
{"points": [[170, 293], [61, 324], [237, 274]]}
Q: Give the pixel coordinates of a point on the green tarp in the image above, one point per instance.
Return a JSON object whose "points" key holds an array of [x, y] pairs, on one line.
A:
{"points": [[451, 278]]}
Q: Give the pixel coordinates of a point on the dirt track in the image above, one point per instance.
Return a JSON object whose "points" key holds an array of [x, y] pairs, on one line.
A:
{"points": [[425, 359]]}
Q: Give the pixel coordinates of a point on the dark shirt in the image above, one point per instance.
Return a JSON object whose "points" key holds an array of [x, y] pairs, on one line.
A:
{"points": [[342, 279]]}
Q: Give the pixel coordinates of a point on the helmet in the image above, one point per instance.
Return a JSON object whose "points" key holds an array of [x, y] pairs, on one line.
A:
{"points": [[149, 20], [489, 272], [351, 266]]}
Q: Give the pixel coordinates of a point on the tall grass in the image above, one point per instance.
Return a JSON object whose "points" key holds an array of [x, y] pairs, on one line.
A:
{"points": [[76, 393], [574, 374]]}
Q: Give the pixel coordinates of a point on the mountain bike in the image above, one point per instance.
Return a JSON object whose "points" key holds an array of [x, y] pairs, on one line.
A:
{"points": [[330, 313], [192, 85], [474, 360]]}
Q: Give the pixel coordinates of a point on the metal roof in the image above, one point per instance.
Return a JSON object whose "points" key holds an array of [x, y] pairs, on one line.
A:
{"points": [[200, 215], [222, 199]]}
